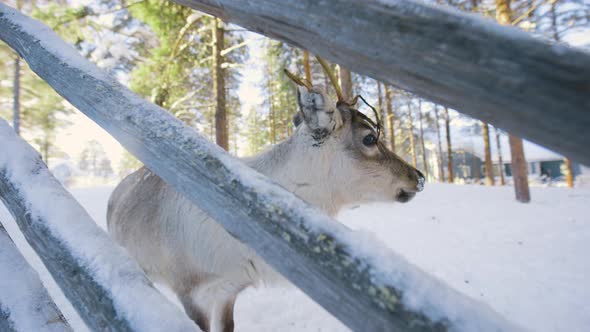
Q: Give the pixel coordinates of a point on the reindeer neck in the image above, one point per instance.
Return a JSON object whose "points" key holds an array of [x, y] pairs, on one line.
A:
{"points": [[301, 168]]}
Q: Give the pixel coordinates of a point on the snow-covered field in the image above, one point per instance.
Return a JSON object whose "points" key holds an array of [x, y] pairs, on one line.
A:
{"points": [[528, 261]]}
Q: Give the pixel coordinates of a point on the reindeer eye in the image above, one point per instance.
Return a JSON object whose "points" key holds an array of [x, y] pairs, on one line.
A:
{"points": [[369, 140]]}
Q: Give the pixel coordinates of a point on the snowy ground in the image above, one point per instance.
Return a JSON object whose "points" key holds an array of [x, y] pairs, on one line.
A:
{"points": [[528, 261]]}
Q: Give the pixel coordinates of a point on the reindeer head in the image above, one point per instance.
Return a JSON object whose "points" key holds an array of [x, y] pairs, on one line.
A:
{"points": [[360, 168]]}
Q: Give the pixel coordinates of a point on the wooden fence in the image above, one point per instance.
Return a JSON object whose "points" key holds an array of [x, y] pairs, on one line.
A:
{"points": [[368, 288]]}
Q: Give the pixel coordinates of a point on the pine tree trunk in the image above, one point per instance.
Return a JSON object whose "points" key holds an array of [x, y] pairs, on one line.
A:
{"points": [[221, 134], [569, 176], [554, 29], [424, 164], [519, 170], [411, 133], [346, 83], [382, 112], [449, 149], [488, 155], [441, 168], [500, 162], [519, 167], [307, 66], [390, 119], [16, 100], [503, 12], [271, 109]]}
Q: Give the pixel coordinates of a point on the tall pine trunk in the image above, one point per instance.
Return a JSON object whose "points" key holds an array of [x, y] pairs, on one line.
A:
{"points": [[488, 155], [271, 105], [221, 134], [16, 100], [449, 148], [390, 119], [382, 112], [441, 168], [569, 176], [569, 171], [411, 133], [345, 83], [307, 66], [271, 114], [519, 167], [424, 164], [500, 162]]}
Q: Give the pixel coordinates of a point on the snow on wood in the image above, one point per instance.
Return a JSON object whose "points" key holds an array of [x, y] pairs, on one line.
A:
{"points": [[107, 287], [25, 304], [354, 277], [497, 74]]}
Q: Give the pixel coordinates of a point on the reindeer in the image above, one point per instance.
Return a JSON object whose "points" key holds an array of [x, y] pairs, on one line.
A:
{"points": [[334, 158]]}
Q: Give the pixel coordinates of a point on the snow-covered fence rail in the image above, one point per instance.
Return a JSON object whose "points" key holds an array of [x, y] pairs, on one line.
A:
{"points": [[494, 73], [106, 286], [354, 277], [25, 304]]}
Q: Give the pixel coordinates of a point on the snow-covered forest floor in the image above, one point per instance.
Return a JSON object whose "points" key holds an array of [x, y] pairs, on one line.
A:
{"points": [[528, 261]]}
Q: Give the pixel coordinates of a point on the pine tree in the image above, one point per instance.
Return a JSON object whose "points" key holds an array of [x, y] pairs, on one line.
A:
{"points": [[278, 90], [422, 145], [441, 168], [390, 117], [345, 80], [555, 32], [188, 73], [500, 162], [519, 168], [489, 172], [410, 128], [256, 132], [449, 148], [221, 135]]}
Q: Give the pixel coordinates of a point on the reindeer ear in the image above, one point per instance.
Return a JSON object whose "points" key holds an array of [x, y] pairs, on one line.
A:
{"points": [[318, 111]]}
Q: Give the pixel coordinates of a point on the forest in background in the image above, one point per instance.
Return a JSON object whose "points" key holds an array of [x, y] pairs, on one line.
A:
{"points": [[191, 64]]}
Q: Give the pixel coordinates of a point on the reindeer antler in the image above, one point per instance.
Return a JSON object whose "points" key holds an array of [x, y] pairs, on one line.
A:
{"points": [[330, 74], [379, 124], [306, 83], [298, 80]]}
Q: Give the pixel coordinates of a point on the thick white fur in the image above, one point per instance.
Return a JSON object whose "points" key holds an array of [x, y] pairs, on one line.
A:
{"points": [[178, 244]]}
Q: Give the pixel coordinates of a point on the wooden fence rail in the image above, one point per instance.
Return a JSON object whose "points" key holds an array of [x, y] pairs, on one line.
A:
{"points": [[25, 304], [366, 286], [104, 284], [494, 73]]}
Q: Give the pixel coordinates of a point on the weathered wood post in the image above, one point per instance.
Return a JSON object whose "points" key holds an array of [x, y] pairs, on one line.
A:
{"points": [[106, 287], [357, 279], [25, 304]]}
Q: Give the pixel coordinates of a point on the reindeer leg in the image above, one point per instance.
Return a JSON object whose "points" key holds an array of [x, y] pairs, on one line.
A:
{"points": [[194, 312], [227, 316], [185, 290], [218, 296]]}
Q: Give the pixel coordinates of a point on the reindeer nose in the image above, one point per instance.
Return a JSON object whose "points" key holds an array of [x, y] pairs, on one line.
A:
{"points": [[421, 180]]}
